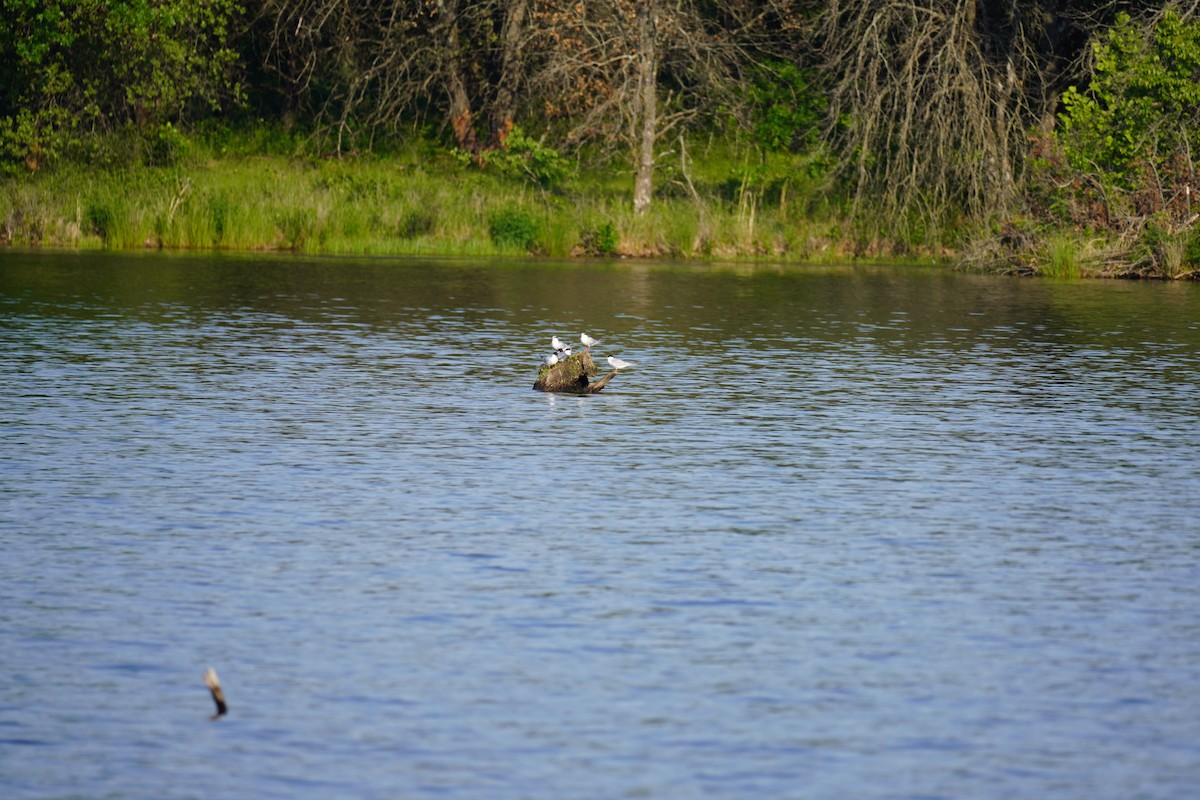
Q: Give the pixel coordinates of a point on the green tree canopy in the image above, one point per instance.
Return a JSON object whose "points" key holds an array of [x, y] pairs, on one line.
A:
{"points": [[72, 66], [1141, 107]]}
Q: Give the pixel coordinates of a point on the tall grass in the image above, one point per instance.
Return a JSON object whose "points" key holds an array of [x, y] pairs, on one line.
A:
{"points": [[1063, 258], [415, 203]]}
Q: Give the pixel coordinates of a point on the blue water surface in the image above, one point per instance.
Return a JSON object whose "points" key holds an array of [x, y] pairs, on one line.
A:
{"points": [[842, 532]]}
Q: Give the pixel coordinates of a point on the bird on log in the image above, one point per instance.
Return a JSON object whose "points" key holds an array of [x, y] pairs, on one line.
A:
{"points": [[566, 372]]}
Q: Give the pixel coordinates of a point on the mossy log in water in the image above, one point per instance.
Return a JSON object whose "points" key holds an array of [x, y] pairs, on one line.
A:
{"points": [[570, 375]]}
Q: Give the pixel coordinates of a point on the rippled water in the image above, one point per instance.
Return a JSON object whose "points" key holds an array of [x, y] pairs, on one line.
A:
{"points": [[844, 532]]}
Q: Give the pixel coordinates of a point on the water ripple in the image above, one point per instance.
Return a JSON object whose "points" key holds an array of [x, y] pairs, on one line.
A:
{"points": [[870, 533]]}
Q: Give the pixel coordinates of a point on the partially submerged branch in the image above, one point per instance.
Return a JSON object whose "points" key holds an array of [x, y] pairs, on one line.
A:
{"points": [[214, 686]]}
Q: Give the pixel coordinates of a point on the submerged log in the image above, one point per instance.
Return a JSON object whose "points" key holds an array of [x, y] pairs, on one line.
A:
{"points": [[214, 686], [570, 376]]}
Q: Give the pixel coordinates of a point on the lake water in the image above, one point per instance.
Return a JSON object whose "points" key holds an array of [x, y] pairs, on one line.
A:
{"points": [[842, 533]]}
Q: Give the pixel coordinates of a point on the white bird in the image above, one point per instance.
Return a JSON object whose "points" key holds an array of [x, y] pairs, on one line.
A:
{"points": [[586, 340], [550, 360], [557, 344], [617, 363], [565, 352]]}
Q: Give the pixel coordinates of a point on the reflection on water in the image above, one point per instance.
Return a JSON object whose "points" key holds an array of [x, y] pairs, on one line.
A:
{"points": [[843, 533]]}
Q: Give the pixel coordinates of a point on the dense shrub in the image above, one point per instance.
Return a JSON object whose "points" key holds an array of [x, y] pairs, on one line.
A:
{"points": [[69, 67], [528, 159], [601, 240], [786, 107], [99, 219], [513, 227], [1141, 107]]}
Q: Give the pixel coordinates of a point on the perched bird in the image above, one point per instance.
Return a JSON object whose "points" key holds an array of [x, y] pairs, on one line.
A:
{"points": [[556, 343], [618, 364], [565, 352], [586, 340], [550, 360]]}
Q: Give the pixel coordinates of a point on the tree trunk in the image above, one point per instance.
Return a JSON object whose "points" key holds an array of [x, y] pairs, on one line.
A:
{"points": [[570, 376], [504, 110], [645, 104], [461, 119]]}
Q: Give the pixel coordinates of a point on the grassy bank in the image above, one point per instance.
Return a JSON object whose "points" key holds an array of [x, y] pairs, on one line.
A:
{"points": [[722, 204], [1150, 249]]}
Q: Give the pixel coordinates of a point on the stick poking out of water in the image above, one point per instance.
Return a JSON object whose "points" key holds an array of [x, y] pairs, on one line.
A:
{"points": [[214, 685]]}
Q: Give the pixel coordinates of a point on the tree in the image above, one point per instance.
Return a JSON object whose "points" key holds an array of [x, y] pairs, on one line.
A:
{"points": [[512, 72], [1141, 106], [351, 69], [95, 65], [631, 71], [358, 68], [644, 112], [922, 114], [461, 118], [932, 101], [1125, 160]]}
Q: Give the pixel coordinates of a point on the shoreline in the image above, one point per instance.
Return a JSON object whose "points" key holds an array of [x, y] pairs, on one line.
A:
{"points": [[393, 206], [430, 207]]}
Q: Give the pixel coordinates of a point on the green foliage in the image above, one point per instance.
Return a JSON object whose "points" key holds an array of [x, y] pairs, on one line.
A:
{"points": [[416, 222], [1142, 104], [528, 159], [296, 225], [353, 186], [75, 67], [24, 143], [786, 107], [513, 226], [558, 235], [165, 145], [1191, 252], [219, 209], [601, 240], [1062, 257], [100, 220], [1164, 251]]}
